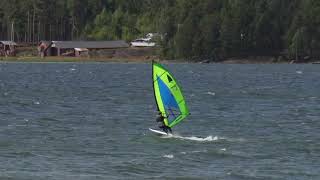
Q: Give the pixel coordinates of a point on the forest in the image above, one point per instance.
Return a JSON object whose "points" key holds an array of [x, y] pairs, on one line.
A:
{"points": [[192, 29]]}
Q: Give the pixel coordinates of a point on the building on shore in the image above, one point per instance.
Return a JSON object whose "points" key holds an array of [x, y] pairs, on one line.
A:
{"points": [[76, 48], [7, 48]]}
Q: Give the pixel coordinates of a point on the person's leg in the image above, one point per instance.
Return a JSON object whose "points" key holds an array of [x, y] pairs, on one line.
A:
{"points": [[164, 128]]}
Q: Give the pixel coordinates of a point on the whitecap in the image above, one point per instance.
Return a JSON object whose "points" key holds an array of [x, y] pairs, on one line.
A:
{"points": [[194, 152], [299, 72], [170, 156], [203, 151], [211, 93]]}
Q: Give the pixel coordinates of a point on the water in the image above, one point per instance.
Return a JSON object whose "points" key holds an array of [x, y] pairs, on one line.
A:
{"points": [[90, 121]]}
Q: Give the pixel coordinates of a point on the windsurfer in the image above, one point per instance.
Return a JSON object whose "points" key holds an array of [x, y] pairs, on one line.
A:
{"points": [[160, 119]]}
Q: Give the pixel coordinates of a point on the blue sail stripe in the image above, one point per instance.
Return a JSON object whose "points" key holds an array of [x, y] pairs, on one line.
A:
{"points": [[167, 98]]}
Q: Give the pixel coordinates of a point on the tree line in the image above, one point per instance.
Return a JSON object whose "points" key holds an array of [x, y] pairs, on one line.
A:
{"points": [[200, 29]]}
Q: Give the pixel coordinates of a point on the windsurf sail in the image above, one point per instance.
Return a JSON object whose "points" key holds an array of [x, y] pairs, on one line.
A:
{"points": [[168, 95]]}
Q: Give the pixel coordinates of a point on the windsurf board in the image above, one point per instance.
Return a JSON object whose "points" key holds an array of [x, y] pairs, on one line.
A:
{"points": [[158, 132]]}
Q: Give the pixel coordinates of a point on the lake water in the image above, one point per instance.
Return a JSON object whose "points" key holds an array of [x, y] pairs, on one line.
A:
{"points": [[90, 121]]}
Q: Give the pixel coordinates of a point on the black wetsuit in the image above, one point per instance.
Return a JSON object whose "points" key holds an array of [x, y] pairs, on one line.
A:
{"points": [[160, 120]]}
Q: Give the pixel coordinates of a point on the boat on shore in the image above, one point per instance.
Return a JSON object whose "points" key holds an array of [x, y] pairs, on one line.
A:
{"points": [[142, 42]]}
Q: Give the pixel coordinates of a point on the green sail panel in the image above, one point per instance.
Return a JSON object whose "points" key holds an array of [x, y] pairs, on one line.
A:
{"points": [[168, 95]]}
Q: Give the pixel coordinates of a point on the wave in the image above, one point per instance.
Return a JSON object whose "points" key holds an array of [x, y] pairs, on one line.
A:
{"points": [[194, 138], [211, 93], [203, 139], [194, 152], [170, 156]]}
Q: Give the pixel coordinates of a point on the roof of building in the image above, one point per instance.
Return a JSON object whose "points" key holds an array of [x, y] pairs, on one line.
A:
{"points": [[11, 43], [90, 44]]}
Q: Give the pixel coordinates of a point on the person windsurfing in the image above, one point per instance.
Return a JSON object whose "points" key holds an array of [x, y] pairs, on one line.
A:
{"points": [[160, 120]]}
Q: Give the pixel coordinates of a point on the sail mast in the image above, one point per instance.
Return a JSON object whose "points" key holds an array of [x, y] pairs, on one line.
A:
{"points": [[154, 92]]}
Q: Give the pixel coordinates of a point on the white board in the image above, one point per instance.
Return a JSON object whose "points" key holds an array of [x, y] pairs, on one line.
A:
{"points": [[158, 132]]}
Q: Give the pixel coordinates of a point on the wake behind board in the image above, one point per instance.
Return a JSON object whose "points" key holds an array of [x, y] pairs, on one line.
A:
{"points": [[158, 132]]}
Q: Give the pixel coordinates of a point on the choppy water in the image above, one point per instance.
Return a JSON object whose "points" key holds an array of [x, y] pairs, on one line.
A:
{"points": [[90, 121]]}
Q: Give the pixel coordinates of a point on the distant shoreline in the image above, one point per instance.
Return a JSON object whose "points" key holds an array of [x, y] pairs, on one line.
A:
{"points": [[35, 59]]}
